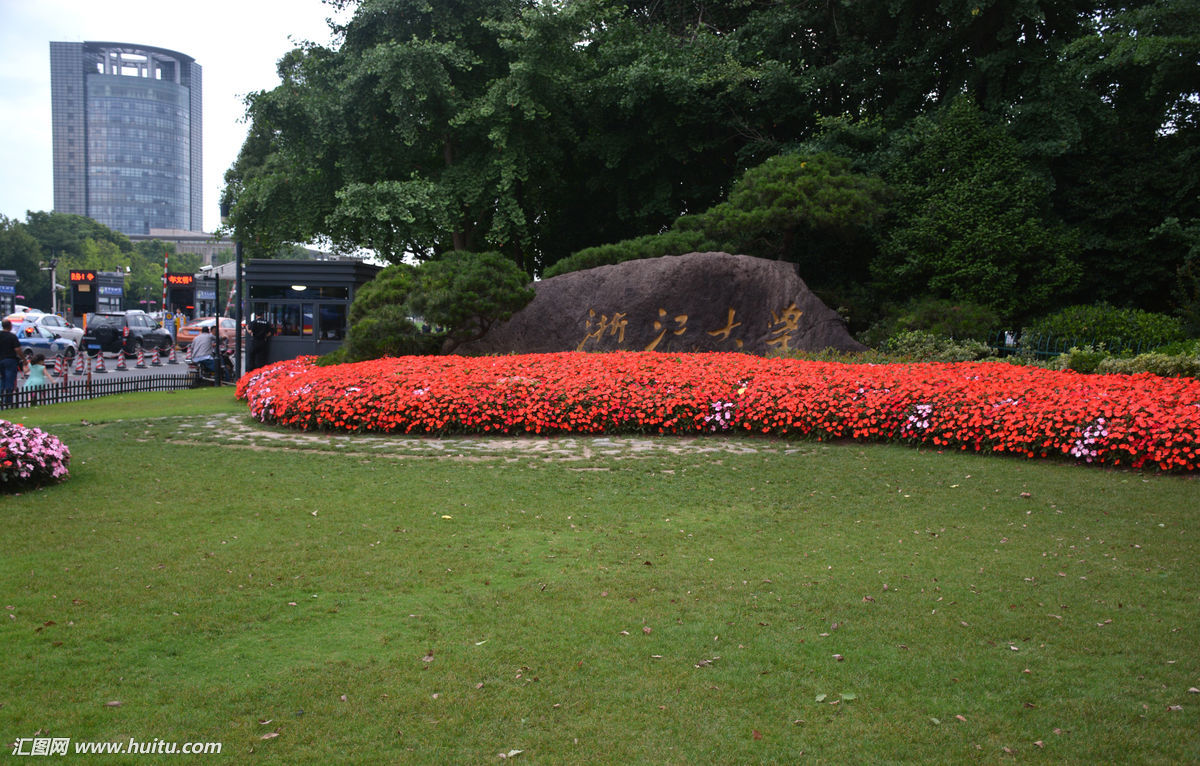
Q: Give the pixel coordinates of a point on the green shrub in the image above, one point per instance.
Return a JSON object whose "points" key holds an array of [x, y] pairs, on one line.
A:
{"points": [[1189, 347], [1084, 360], [1178, 366], [947, 318], [388, 331], [923, 346], [650, 246], [1122, 331]]}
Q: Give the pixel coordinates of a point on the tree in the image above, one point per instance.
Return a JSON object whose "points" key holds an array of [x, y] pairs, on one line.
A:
{"points": [[467, 293], [809, 209], [440, 304], [972, 220], [20, 252]]}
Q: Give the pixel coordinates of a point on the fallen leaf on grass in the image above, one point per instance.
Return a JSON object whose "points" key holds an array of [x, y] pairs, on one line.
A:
{"points": [[113, 703], [961, 718], [757, 734], [428, 657], [270, 735], [511, 754]]}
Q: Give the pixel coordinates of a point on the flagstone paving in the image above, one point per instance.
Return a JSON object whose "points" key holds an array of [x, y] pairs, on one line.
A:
{"points": [[241, 431]]}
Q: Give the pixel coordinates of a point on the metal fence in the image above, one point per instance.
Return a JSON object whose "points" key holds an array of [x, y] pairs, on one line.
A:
{"points": [[1045, 346], [64, 389]]}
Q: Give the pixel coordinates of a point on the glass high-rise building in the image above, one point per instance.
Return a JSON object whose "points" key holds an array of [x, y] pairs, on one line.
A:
{"points": [[127, 135]]}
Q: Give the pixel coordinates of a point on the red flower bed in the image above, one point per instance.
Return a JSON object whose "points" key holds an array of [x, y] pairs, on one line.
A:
{"points": [[1134, 420]]}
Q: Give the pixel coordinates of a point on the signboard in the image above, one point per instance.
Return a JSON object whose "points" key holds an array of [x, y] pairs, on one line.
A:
{"points": [[83, 276], [181, 280]]}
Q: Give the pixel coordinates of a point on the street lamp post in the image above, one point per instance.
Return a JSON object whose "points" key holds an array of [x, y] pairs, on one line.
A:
{"points": [[237, 291], [52, 268]]}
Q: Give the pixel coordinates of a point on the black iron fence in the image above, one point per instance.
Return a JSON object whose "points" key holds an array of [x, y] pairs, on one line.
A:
{"points": [[67, 389], [1046, 346]]}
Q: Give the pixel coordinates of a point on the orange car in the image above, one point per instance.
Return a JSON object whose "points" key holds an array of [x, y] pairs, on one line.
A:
{"points": [[189, 331]]}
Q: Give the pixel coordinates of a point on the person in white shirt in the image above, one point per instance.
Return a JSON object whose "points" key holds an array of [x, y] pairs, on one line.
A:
{"points": [[202, 350]]}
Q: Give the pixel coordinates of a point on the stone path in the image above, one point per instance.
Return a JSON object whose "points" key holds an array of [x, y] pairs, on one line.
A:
{"points": [[240, 431]]}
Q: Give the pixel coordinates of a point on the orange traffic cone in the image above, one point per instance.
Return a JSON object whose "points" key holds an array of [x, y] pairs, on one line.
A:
{"points": [[99, 363], [141, 359], [79, 362], [171, 356], [154, 360], [121, 361]]}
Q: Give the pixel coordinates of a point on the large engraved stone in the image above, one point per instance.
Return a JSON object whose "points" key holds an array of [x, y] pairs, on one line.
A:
{"points": [[694, 302]]}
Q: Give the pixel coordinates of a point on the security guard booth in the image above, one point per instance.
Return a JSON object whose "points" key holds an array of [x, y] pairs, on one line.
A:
{"points": [[181, 293], [307, 302], [93, 291], [8, 292]]}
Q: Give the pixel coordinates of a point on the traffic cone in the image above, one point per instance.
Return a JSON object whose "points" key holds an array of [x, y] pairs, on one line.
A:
{"points": [[171, 356], [58, 366], [99, 363], [121, 361], [79, 362], [141, 359], [154, 360]]}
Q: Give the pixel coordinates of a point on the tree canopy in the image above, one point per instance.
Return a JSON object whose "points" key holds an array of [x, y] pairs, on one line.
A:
{"points": [[1050, 140]]}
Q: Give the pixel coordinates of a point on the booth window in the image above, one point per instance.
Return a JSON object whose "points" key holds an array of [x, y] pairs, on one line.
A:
{"points": [[333, 321], [290, 320]]}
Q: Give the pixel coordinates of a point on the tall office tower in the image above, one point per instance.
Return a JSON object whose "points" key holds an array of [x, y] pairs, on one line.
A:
{"points": [[127, 135]]}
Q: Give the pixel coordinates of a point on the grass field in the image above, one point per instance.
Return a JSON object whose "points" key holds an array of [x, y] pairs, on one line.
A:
{"points": [[375, 601]]}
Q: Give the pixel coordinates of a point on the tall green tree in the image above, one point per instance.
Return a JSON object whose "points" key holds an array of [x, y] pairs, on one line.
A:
{"points": [[973, 221], [21, 253]]}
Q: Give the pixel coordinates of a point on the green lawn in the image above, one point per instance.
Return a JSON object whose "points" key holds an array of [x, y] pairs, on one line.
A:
{"points": [[829, 603]]}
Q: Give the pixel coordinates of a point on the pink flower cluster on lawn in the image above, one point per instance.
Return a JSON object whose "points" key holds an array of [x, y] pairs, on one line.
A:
{"points": [[1142, 421], [30, 457]]}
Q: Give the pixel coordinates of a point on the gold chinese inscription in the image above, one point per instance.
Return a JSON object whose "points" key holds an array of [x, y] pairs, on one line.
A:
{"points": [[680, 323], [783, 326], [613, 326], [600, 326]]}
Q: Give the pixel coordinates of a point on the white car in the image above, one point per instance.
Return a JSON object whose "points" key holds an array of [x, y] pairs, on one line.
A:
{"points": [[52, 322]]}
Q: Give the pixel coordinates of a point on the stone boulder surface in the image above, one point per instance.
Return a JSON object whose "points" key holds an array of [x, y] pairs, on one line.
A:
{"points": [[693, 302]]}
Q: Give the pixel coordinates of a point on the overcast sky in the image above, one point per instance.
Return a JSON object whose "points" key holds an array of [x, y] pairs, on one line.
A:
{"points": [[236, 42]]}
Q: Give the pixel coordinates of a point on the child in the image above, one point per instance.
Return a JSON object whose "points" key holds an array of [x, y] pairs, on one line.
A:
{"points": [[36, 377]]}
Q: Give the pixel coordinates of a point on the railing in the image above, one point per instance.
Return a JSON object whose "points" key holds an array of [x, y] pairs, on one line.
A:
{"points": [[1046, 346], [64, 389]]}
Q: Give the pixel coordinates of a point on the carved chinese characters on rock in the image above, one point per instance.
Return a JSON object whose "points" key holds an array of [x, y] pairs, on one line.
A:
{"points": [[662, 329], [599, 326], [783, 326], [596, 328]]}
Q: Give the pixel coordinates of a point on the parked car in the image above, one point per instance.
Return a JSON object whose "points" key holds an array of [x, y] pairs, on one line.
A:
{"points": [[52, 322], [127, 331], [20, 315], [42, 341], [189, 331]]}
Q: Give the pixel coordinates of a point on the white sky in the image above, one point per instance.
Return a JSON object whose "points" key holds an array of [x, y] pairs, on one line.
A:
{"points": [[236, 43]]}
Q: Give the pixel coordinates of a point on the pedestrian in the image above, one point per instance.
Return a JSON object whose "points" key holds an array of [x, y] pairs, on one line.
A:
{"points": [[260, 342], [10, 361], [35, 377], [202, 350]]}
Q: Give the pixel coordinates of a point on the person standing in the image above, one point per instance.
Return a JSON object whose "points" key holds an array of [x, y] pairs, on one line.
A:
{"points": [[10, 361], [260, 342], [36, 377]]}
